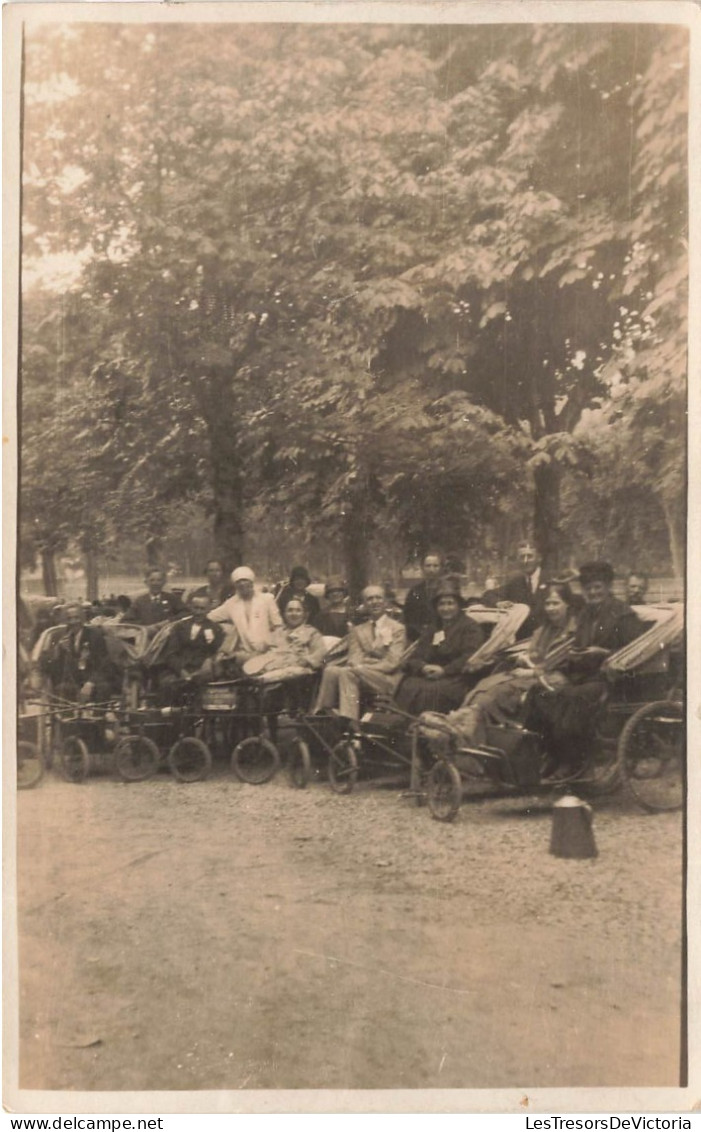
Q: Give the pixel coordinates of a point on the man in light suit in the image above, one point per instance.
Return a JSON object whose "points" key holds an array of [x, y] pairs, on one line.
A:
{"points": [[375, 650]]}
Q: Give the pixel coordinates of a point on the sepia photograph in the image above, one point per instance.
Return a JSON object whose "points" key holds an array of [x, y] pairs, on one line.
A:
{"points": [[347, 406]]}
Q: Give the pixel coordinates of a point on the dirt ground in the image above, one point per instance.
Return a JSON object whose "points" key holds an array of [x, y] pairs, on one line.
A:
{"points": [[225, 936]]}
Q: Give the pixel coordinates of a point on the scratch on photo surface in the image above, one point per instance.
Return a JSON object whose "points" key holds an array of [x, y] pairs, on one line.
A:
{"points": [[383, 971]]}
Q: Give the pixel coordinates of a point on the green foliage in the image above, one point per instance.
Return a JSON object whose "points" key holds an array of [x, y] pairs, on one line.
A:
{"points": [[372, 275]]}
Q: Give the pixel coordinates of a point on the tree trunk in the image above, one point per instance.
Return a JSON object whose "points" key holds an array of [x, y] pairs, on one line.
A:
{"points": [[676, 525], [154, 551], [92, 576], [48, 572], [356, 546], [227, 484], [546, 516]]}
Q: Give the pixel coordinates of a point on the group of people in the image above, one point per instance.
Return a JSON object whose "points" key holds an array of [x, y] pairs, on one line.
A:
{"points": [[421, 659]]}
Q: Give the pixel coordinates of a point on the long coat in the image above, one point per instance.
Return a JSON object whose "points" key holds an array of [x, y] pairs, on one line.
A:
{"points": [[450, 648], [566, 718], [419, 612]]}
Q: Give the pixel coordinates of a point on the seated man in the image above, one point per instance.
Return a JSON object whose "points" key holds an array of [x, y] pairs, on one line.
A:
{"points": [[375, 651], [186, 659], [254, 616], [78, 664], [157, 605]]}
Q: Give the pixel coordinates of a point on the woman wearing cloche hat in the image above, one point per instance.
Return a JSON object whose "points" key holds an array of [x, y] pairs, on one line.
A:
{"points": [[434, 679]]}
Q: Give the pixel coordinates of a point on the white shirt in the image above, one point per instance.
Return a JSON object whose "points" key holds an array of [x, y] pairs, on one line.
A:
{"points": [[254, 620]]}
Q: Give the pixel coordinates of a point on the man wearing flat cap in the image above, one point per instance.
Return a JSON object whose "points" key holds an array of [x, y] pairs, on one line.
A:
{"points": [[565, 717], [254, 616]]}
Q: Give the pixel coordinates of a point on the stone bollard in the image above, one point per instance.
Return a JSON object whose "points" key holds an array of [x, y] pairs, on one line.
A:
{"points": [[572, 833]]}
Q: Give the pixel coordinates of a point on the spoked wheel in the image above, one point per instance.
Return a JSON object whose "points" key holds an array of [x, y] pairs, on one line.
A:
{"points": [[299, 764], [255, 760], [651, 753], [136, 758], [189, 760], [75, 759], [343, 768], [444, 791], [30, 765]]}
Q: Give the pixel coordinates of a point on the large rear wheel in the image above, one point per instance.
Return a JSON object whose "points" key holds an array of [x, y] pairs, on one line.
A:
{"points": [[189, 760], [136, 758], [651, 756], [30, 765], [444, 791], [255, 760], [343, 767]]}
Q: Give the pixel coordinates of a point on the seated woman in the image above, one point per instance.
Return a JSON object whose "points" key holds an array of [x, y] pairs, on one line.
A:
{"points": [[436, 676], [500, 698], [297, 649], [297, 587], [565, 715]]}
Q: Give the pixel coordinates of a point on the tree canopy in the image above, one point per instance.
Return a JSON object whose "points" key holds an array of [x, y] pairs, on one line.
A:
{"points": [[386, 277]]}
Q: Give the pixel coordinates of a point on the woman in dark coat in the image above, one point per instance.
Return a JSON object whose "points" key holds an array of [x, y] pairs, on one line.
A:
{"points": [[435, 679], [565, 716]]}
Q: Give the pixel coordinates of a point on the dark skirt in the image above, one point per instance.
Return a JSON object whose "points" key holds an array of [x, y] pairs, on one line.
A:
{"points": [[566, 719], [416, 694]]}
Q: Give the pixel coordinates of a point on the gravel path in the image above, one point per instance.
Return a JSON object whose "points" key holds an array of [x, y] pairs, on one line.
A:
{"points": [[223, 936]]}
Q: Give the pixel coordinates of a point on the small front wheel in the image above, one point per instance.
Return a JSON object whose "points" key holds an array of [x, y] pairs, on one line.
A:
{"points": [[190, 760], [651, 754], [30, 765], [299, 764], [75, 759], [343, 767], [136, 758], [255, 760], [444, 791]]}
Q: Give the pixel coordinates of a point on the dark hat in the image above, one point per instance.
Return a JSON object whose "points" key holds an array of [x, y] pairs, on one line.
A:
{"points": [[448, 587], [596, 572], [335, 584], [300, 572]]}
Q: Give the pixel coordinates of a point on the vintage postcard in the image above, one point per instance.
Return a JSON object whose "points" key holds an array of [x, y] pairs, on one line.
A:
{"points": [[350, 418]]}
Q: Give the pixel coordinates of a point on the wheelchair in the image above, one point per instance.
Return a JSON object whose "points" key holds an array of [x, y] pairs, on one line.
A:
{"points": [[381, 749], [638, 737]]}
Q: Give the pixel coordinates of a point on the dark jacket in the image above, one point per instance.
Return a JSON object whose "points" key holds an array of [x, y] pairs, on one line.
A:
{"points": [[610, 625], [517, 588], [184, 654], [462, 638], [80, 659], [149, 610], [419, 611]]}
